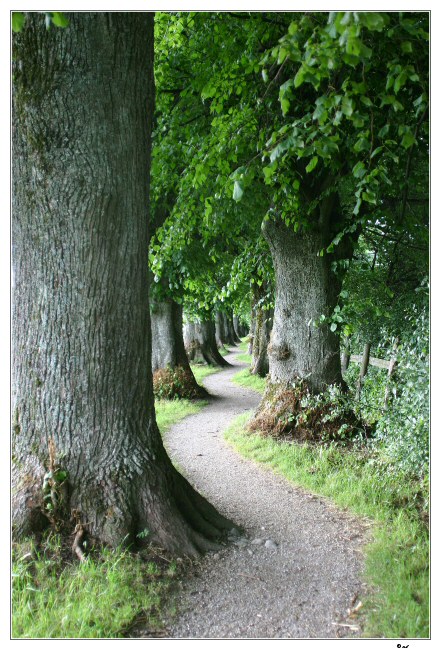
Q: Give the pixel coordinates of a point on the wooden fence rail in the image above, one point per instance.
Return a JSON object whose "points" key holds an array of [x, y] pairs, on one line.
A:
{"points": [[365, 360]]}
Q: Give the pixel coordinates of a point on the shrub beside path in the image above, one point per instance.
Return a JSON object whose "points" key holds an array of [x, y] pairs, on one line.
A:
{"points": [[293, 568]]}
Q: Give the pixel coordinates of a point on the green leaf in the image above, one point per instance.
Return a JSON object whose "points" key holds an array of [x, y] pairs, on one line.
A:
{"points": [[408, 140], [282, 55], [359, 170], [333, 327], [362, 144], [373, 20], [400, 81], [369, 197], [406, 47], [356, 210], [285, 103], [300, 77], [376, 151], [312, 164], [237, 191], [59, 19], [18, 20], [347, 106]]}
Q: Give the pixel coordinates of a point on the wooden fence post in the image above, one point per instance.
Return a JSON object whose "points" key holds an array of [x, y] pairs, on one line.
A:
{"points": [[363, 367], [390, 372], [346, 355]]}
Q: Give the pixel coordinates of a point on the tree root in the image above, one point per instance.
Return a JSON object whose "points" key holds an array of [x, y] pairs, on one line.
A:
{"points": [[76, 546]]}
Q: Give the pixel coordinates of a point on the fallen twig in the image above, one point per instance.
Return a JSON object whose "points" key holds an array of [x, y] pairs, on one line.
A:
{"points": [[245, 575], [351, 627], [76, 548]]}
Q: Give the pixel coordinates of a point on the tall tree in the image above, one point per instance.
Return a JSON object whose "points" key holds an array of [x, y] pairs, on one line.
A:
{"points": [[336, 106], [85, 440]]}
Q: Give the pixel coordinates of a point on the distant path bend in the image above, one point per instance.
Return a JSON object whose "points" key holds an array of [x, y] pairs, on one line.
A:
{"points": [[302, 583]]}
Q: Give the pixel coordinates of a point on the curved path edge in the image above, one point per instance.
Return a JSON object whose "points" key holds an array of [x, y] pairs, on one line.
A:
{"points": [[295, 570]]}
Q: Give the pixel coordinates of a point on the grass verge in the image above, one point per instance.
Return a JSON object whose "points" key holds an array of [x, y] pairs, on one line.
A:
{"points": [[170, 411], [246, 379], [201, 371], [54, 597], [397, 558]]}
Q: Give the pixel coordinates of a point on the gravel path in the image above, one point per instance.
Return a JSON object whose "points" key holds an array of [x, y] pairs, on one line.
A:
{"points": [[295, 570]]}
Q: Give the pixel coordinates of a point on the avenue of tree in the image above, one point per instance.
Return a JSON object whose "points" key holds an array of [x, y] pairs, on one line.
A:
{"points": [[180, 181]]}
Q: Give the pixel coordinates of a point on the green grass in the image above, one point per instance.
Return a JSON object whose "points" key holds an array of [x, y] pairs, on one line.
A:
{"points": [[397, 557], [170, 411], [201, 371], [100, 598], [246, 379]]}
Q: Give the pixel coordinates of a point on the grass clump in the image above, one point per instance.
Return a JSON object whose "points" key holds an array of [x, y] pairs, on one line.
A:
{"points": [[200, 371], [168, 412], [54, 596], [397, 558], [248, 380]]}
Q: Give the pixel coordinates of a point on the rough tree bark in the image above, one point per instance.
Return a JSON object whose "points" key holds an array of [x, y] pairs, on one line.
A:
{"points": [[262, 331], [168, 350], [81, 387], [306, 288], [238, 327], [221, 336], [200, 342], [225, 329], [232, 334], [252, 327]]}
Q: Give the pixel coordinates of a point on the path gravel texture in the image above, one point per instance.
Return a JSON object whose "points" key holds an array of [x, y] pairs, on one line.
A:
{"points": [[293, 570]]}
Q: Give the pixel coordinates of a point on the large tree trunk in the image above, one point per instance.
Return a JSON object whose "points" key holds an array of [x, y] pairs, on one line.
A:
{"points": [[263, 326], [191, 343], [200, 343], [252, 326], [221, 335], [306, 288], [238, 327], [81, 387], [225, 329], [168, 350], [232, 335]]}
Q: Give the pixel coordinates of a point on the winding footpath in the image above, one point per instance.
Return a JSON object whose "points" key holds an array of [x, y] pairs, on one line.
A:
{"points": [[294, 571]]}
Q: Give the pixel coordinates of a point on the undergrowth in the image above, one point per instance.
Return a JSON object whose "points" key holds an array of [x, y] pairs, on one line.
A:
{"points": [[397, 557], [178, 382], [291, 412]]}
